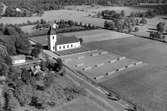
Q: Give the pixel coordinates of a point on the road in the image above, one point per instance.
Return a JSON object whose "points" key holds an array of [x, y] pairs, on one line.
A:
{"points": [[93, 89]]}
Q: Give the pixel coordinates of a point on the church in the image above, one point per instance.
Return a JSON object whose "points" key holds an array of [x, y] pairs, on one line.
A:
{"points": [[60, 42]]}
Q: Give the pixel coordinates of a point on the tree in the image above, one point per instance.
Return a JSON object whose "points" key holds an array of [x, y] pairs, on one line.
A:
{"points": [[23, 45], [17, 42], [136, 29], [161, 27], [150, 13], [36, 51], [143, 21], [11, 103], [106, 24], [81, 40], [10, 30], [42, 21], [4, 69], [122, 13]]}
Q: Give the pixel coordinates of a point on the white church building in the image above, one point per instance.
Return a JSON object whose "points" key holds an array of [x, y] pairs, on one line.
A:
{"points": [[60, 42]]}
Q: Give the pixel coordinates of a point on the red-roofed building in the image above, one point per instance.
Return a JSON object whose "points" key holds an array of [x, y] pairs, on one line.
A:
{"points": [[61, 43]]}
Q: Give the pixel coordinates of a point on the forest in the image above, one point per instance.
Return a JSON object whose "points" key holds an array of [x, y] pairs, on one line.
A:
{"points": [[57, 3]]}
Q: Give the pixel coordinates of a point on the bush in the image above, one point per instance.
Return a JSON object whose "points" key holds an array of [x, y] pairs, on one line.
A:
{"points": [[161, 27], [143, 21], [136, 29], [35, 103], [24, 94], [10, 101], [36, 51]]}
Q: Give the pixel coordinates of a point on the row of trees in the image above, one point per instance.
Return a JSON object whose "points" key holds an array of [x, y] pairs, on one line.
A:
{"points": [[36, 5], [150, 13], [64, 26], [125, 25], [112, 15]]}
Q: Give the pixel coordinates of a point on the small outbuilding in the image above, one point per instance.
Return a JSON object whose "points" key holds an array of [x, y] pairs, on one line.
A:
{"points": [[18, 59]]}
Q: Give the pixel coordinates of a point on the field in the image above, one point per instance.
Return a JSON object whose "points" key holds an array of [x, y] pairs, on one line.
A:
{"points": [[97, 35], [145, 85], [99, 65], [148, 51]]}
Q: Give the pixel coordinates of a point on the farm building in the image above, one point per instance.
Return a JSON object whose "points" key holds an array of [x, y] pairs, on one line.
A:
{"points": [[60, 42], [19, 59]]}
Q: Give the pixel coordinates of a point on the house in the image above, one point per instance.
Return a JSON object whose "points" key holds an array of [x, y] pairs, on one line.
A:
{"points": [[18, 59], [60, 42]]}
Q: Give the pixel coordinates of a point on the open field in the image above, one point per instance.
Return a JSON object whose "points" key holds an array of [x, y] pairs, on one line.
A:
{"points": [[99, 65], [145, 85], [87, 36]]}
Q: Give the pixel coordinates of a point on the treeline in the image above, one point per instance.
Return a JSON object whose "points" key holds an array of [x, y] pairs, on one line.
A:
{"points": [[17, 8], [14, 39], [52, 4]]}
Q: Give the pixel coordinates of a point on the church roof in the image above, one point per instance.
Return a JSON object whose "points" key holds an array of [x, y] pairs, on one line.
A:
{"points": [[66, 40]]}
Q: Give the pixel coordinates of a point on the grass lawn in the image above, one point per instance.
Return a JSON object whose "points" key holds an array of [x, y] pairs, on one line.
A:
{"points": [[80, 104]]}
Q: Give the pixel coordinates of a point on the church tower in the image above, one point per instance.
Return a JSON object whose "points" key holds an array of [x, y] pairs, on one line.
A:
{"points": [[52, 37]]}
